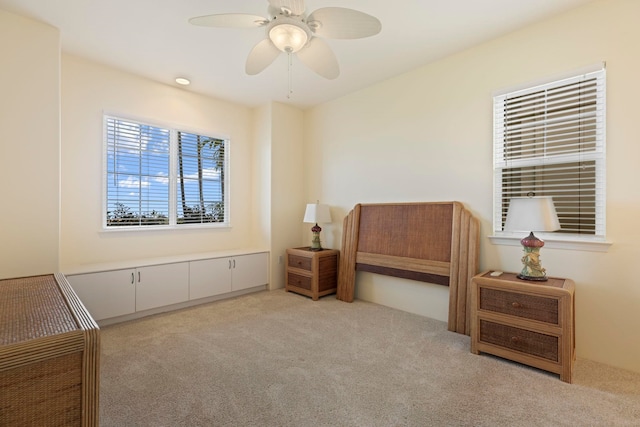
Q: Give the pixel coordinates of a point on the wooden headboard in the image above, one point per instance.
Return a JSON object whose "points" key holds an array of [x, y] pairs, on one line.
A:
{"points": [[434, 242]]}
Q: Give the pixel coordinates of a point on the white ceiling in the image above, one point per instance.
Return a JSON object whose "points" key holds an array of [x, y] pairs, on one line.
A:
{"points": [[152, 38]]}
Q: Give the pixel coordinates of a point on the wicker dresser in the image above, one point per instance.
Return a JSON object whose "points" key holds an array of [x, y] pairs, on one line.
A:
{"points": [[528, 322], [49, 354]]}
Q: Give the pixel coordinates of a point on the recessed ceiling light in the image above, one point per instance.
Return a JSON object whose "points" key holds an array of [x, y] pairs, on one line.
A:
{"points": [[182, 81]]}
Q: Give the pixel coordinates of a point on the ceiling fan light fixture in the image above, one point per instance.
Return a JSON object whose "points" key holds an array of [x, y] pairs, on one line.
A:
{"points": [[290, 30], [288, 37]]}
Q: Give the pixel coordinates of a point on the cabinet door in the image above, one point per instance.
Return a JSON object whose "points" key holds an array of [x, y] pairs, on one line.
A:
{"points": [[209, 277], [250, 271], [161, 285], [106, 294]]}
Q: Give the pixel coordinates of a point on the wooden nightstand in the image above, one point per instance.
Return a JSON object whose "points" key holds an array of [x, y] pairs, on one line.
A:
{"points": [[312, 273], [527, 322]]}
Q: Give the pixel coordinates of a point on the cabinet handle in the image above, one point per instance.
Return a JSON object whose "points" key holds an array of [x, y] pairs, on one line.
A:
{"points": [[515, 339], [138, 277], [516, 305], [132, 278], [229, 264], [234, 263]]}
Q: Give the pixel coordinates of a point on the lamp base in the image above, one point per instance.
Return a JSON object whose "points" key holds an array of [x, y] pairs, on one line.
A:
{"points": [[315, 240], [532, 269], [532, 278]]}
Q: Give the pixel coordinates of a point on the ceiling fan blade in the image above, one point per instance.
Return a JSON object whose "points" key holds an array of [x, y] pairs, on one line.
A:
{"points": [[342, 23], [230, 20], [295, 6], [318, 56], [261, 56]]}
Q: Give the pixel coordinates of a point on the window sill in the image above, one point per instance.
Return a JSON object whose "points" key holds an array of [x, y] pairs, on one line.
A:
{"points": [[172, 228], [556, 243]]}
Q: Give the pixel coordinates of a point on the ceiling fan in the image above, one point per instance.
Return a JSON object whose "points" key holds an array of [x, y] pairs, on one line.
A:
{"points": [[290, 30]]}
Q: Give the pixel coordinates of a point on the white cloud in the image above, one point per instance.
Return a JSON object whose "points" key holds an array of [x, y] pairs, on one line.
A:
{"points": [[132, 182], [206, 174], [161, 178]]}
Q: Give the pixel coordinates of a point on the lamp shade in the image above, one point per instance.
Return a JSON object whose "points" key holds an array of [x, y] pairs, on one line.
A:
{"points": [[317, 214], [532, 214]]}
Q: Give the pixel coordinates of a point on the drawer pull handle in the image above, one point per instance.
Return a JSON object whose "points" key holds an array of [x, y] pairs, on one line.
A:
{"points": [[516, 305], [299, 262], [515, 339]]}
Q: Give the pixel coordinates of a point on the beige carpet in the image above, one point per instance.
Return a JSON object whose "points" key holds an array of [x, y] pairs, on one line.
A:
{"points": [[281, 359]]}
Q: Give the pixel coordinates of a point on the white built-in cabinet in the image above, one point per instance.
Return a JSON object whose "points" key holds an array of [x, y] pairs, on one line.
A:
{"points": [[160, 285], [114, 293], [209, 277], [248, 271], [106, 294], [217, 276]]}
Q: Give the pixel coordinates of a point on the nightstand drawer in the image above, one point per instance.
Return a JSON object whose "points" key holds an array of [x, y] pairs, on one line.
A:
{"points": [[299, 281], [540, 308], [303, 263], [525, 341]]}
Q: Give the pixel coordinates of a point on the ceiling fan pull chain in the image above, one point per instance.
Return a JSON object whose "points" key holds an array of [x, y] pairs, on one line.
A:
{"points": [[289, 65]]}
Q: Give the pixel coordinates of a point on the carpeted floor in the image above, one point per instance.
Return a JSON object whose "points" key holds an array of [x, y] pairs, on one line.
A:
{"points": [[281, 359]]}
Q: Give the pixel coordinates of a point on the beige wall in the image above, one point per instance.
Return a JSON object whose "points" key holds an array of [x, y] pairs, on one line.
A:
{"points": [[261, 176], [278, 181], [427, 136], [287, 185], [90, 89], [29, 146]]}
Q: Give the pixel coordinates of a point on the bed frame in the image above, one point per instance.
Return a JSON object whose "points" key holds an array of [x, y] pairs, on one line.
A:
{"points": [[435, 242]]}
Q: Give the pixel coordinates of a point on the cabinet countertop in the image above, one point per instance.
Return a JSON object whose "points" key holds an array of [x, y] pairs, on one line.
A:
{"points": [[143, 262]]}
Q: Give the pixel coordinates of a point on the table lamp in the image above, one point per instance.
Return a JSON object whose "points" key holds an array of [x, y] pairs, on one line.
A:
{"points": [[314, 214], [532, 214]]}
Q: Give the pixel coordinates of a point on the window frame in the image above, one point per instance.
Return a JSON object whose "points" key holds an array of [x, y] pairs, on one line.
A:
{"points": [[173, 177], [591, 242]]}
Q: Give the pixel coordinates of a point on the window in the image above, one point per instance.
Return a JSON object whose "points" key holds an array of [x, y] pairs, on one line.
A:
{"points": [[200, 179], [549, 140], [158, 176]]}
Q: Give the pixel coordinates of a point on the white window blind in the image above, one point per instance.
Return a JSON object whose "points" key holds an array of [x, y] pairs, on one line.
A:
{"points": [[138, 164], [156, 176], [200, 179], [549, 140]]}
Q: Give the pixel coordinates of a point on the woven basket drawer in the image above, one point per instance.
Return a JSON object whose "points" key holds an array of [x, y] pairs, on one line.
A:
{"points": [[299, 281], [532, 307], [303, 263], [529, 342]]}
